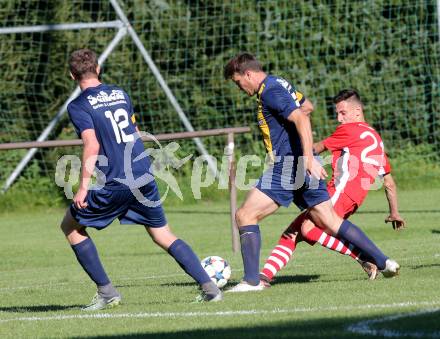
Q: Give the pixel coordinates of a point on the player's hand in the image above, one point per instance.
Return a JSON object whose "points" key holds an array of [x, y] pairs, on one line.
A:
{"points": [[314, 169], [79, 199], [396, 220]]}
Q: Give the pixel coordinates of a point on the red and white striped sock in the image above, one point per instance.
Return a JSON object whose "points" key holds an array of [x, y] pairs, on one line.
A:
{"points": [[279, 257], [317, 235]]}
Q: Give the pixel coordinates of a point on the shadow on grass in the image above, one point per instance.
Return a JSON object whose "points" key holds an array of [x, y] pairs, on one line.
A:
{"points": [[417, 267], [408, 325], [435, 231], [286, 279], [295, 279], [188, 283], [40, 308]]}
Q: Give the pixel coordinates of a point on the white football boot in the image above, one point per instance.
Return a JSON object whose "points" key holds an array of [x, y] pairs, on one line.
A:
{"points": [[209, 298], [243, 286], [100, 303], [391, 268]]}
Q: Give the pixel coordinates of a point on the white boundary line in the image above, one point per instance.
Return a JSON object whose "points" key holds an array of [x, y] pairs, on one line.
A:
{"points": [[365, 327], [220, 313]]}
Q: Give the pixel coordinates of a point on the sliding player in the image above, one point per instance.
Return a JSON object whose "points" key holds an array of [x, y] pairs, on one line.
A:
{"points": [[357, 159]]}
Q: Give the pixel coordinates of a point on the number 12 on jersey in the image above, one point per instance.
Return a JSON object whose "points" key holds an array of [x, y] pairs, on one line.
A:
{"points": [[120, 121]]}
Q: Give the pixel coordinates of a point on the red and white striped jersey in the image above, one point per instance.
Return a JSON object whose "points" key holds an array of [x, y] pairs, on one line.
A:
{"points": [[358, 158]]}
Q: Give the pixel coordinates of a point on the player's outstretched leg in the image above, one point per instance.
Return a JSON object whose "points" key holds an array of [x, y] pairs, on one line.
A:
{"points": [[312, 235], [187, 260], [354, 234], [283, 251], [87, 255], [325, 216]]}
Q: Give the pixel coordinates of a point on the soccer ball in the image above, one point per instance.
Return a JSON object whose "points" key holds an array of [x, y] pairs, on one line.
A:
{"points": [[218, 269]]}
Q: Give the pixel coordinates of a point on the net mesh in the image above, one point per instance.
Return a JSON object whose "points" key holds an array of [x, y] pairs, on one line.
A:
{"points": [[387, 50]]}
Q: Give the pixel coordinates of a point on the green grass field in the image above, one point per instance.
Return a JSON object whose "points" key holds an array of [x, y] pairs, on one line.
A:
{"points": [[320, 293]]}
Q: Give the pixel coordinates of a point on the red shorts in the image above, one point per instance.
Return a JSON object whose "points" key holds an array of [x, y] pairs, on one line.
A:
{"points": [[343, 204]]}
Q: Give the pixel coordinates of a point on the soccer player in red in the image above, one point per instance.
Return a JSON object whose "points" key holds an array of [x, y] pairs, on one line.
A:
{"points": [[358, 158]]}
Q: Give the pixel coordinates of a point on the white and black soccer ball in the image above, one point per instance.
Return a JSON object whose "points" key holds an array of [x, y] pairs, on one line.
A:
{"points": [[218, 269]]}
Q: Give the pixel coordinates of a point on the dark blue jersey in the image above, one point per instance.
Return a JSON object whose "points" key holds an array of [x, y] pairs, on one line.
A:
{"points": [[108, 110], [276, 100]]}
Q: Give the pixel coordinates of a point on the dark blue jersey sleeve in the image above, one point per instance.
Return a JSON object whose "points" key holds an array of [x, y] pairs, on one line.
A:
{"points": [[81, 119], [282, 100]]}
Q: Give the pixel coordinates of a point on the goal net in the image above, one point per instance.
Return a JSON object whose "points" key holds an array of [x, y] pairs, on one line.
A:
{"points": [[387, 50]]}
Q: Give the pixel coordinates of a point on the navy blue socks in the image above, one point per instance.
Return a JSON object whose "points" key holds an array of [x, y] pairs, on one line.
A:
{"points": [[88, 257], [354, 235], [189, 261], [250, 239]]}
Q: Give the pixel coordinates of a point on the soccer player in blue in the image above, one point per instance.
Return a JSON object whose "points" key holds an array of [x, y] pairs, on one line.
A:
{"points": [[104, 119], [295, 175]]}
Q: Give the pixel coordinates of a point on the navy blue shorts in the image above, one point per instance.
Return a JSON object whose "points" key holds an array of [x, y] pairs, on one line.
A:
{"points": [[105, 205], [284, 188]]}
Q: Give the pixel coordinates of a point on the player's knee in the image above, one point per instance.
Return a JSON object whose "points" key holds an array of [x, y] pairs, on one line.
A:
{"points": [[156, 240], [67, 226], [162, 236], [243, 217], [306, 227], [333, 224]]}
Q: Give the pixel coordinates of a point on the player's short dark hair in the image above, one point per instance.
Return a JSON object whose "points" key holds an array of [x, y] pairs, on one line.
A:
{"points": [[241, 63], [83, 63], [347, 94]]}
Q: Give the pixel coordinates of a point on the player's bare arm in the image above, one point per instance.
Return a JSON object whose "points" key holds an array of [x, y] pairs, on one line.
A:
{"points": [[307, 107], [319, 147], [89, 157], [301, 118], [391, 193]]}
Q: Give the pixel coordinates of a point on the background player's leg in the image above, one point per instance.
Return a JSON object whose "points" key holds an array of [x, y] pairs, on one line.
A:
{"points": [[186, 258], [87, 255], [256, 206]]}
